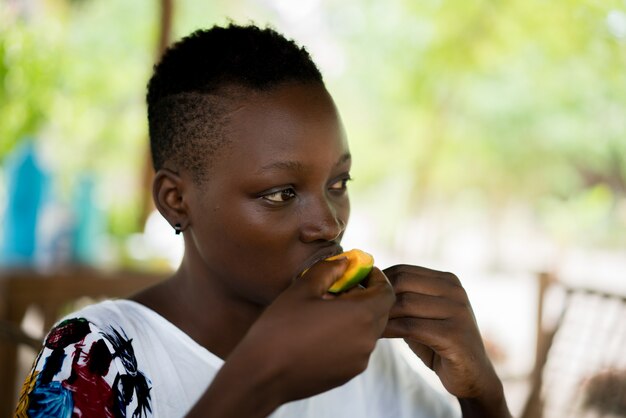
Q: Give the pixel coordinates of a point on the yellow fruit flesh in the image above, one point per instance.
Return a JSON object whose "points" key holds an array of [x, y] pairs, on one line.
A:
{"points": [[360, 264]]}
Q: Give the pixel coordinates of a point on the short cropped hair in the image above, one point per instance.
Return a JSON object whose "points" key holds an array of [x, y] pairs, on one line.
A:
{"points": [[192, 86]]}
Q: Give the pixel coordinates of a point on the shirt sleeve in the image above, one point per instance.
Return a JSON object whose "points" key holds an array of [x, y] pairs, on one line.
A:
{"points": [[84, 370]]}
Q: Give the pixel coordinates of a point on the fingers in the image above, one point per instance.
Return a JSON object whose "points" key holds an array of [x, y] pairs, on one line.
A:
{"points": [[426, 306], [322, 275], [370, 304], [376, 285], [425, 353], [376, 279], [431, 307], [433, 333], [406, 278], [419, 329]]}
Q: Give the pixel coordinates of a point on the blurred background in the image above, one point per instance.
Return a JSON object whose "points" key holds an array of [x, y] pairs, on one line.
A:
{"points": [[489, 139]]}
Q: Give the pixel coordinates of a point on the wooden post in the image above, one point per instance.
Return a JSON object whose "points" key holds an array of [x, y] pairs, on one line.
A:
{"points": [[165, 33], [533, 407]]}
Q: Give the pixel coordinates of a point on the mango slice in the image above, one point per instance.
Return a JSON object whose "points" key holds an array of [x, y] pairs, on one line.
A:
{"points": [[360, 264]]}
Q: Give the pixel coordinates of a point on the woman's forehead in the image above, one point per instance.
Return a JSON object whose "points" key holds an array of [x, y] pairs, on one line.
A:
{"points": [[290, 123], [296, 104]]}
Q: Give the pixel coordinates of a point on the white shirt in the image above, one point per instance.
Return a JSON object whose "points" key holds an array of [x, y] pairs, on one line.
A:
{"points": [[154, 369]]}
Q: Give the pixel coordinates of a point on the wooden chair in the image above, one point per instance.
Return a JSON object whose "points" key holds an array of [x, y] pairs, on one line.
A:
{"points": [[580, 368]]}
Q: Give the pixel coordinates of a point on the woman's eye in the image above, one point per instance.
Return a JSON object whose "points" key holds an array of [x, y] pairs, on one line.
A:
{"points": [[340, 185], [280, 196]]}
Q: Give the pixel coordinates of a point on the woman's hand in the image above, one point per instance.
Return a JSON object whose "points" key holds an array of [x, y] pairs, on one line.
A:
{"points": [[316, 342], [303, 344], [433, 314]]}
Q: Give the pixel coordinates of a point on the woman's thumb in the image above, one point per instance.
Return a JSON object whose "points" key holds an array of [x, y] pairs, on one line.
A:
{"points": [[323, 274]]}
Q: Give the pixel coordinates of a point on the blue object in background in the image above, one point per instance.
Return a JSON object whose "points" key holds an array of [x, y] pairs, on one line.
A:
{"points": [[27, 186], [89, 218]]}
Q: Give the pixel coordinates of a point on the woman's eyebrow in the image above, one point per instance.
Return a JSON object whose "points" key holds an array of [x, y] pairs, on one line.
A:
{"points": [[345, 157], [282, 165], [296, 165]]}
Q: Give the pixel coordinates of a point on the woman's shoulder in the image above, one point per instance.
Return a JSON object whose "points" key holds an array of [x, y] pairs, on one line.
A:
{"points": [[111, 317], [86, 365], [107, 311]]}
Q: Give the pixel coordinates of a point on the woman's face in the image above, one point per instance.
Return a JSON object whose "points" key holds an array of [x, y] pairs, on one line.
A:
{"points": [[276, 199]]}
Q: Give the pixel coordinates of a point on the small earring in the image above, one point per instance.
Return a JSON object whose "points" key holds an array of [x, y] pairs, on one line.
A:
{"points": [[177, 229]]}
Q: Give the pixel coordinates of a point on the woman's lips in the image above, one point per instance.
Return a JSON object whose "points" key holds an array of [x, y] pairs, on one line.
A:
{"points": [[321, 255]]}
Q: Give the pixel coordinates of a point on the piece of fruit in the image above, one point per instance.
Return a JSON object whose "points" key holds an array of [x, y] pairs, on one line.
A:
{"points": [[360, 264]]}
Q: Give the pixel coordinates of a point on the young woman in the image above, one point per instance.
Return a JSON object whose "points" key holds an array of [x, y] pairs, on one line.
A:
{"points": [[252, 166]]}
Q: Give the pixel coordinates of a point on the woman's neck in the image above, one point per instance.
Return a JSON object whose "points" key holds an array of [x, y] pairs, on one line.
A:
{"points": [[205, 313]]}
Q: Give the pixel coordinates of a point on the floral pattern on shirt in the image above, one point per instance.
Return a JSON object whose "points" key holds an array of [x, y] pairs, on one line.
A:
{"points": [[83, 371]]}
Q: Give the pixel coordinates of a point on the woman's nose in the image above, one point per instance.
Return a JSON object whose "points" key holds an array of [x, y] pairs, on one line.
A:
{"points": [[322, 222]]}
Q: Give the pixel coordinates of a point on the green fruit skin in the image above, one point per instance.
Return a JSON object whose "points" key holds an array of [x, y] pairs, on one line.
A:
{"points": [[346, 283]]}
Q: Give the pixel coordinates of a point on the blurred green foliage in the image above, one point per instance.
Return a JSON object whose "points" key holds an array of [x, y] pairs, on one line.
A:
{"points": [[518, 101], [73, 75], [522, 100]]}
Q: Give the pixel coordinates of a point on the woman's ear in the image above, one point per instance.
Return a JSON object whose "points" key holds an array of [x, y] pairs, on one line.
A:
{"points": [[168, 192]]}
